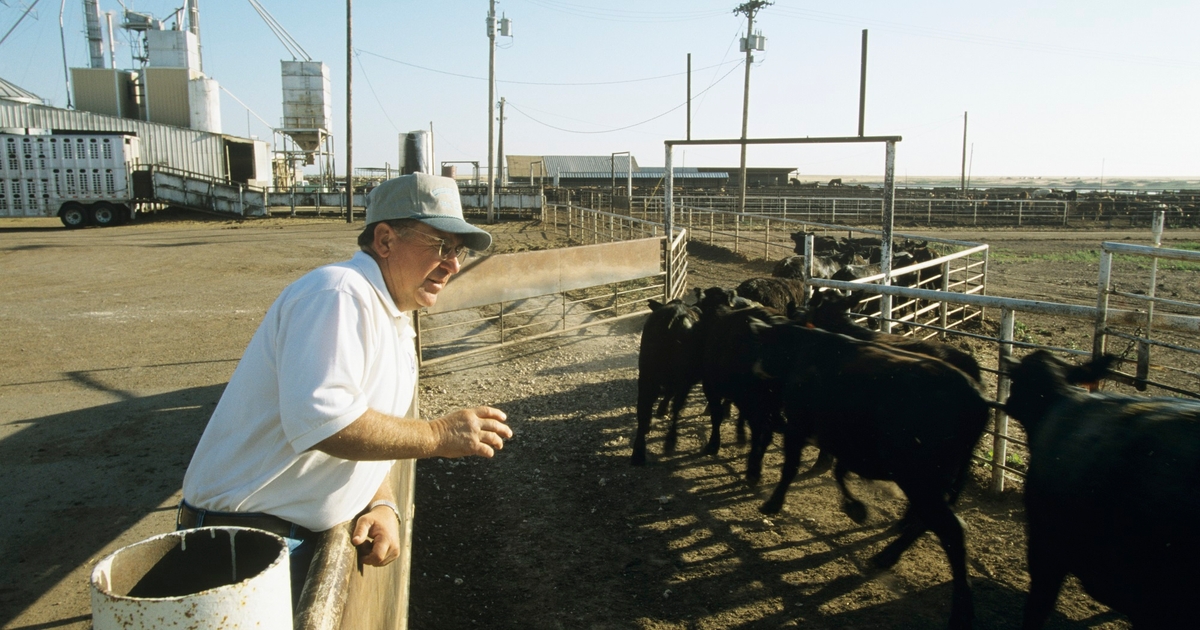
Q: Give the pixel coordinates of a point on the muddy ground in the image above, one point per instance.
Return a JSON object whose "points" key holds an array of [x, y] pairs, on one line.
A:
{"points": [[116, 345]]}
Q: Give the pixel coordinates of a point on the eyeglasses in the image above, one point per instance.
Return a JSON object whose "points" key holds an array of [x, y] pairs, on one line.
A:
{"points": [[445, 250]]}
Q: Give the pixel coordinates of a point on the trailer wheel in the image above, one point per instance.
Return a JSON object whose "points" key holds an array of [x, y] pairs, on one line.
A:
{"points": [[73, 215], [104, 215]]}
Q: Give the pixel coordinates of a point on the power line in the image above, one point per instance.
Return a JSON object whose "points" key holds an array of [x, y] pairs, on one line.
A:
{"points": [[609, 14], [372, 88], [19, 20], [239, 101], [545, 124], [542, 83]]}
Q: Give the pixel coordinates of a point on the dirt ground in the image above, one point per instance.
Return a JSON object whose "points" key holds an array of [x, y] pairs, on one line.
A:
{"points": [[117, 344]]}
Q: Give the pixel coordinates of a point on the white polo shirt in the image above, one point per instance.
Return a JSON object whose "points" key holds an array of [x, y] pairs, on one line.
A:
{"points": [[331, 346]]}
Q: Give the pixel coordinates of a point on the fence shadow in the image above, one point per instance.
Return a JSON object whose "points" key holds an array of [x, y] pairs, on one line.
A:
{"points": [[76, 481]]}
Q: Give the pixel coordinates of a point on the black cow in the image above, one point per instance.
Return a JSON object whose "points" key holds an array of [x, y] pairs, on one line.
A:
{"points": [[728, 377], [668, 367], [850, 273], [1112, 493], [780, 294], [822, 245], [882, 414], [830, 311], [793, 267]]}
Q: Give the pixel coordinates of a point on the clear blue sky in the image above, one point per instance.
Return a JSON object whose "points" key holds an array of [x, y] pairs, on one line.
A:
{"points": [[1052, 88]]}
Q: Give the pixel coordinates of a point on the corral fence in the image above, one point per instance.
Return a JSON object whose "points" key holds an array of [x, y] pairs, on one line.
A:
{"points": [[1155, 337], [924, 211], [961, 266], [618, 264], [1161, 331]]}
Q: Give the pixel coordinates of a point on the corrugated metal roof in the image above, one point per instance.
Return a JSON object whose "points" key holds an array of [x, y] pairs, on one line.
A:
{"points": [[187, 149], [556, 164], [644, 174], [663, 169], [11, 92]]}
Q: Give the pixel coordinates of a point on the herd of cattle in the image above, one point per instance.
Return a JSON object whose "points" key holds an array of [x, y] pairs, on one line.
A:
{"points": [[1113, 487], [851, 259]]}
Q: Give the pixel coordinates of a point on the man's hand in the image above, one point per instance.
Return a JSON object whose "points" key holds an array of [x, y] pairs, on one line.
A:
{"points": [[381, 530], [480, 431]]}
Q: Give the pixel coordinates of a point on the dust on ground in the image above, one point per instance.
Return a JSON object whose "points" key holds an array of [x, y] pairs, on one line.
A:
{"points": [[118, 343]]}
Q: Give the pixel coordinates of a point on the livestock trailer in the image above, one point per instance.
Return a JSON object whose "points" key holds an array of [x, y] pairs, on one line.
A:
{"points": [[81, 178]]}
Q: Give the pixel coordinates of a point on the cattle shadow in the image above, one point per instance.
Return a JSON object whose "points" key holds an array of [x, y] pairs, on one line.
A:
{"points": [[997, 607], [77, 481], [592, 541]]}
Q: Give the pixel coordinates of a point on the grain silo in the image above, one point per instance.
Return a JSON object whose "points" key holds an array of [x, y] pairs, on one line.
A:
{"points": [[307, 118]]}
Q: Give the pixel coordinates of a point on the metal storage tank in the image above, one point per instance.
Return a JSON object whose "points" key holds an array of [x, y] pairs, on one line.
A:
{"points": [[307, 102], [204, 96], [415, 152]]}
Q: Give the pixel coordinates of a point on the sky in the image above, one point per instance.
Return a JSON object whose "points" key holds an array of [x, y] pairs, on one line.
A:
{"points": [[1050, 88]]}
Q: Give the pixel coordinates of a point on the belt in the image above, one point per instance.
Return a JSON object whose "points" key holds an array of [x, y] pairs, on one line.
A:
{"points": [[190, 517]]}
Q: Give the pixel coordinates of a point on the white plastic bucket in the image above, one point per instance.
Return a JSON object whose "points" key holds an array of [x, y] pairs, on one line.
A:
{"points": [[210, 577]]}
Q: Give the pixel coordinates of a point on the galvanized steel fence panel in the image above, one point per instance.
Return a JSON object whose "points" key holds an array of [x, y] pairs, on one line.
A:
{"points": [[617, 265]]}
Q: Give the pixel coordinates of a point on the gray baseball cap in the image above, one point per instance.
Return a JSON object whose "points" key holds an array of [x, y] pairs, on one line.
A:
{"points": [[430, 199]]}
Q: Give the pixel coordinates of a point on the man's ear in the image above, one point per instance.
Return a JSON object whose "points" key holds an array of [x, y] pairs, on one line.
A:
{"points": [[384, 239]]}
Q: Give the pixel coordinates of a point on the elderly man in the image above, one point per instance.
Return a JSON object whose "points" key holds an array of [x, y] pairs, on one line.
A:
{"points": [[321, 403]]}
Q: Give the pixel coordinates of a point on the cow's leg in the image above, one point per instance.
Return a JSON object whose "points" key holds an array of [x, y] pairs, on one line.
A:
{"points": [[661, 412], [677, 403], [820, 467], [1046, 575], [853, 508], [793, 443], [911, 528], [760, 439], [931, 510], [647, 394], [741, 428], [718, 409]]}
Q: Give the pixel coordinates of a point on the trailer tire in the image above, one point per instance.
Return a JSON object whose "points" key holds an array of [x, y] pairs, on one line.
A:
{"points": [[73, 215], [104, 214]]}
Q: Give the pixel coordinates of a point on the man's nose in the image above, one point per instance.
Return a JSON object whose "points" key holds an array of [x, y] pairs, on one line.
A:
{"points": [[452, 264]]}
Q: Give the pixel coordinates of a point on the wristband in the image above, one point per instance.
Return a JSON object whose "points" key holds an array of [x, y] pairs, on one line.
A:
{"points": [[395, 510]]}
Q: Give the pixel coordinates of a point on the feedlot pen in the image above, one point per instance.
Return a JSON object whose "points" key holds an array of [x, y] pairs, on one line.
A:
{"points": [[1156, 339]]}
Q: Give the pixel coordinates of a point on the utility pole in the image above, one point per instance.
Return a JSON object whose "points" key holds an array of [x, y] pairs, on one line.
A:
{"points": [[749, 9], [505, 26], [500, 146], [349, 114], [689, 98], [491, 28], [963, 182], [862, 86]]}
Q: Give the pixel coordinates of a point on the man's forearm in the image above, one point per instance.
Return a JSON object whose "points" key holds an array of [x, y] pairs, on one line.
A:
{"points": [[375, 436]]}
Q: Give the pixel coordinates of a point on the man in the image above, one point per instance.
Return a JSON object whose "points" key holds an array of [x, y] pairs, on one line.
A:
{"points": [[321, 403]]}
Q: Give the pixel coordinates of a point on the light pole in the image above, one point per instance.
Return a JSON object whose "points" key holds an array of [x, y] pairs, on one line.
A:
{"points": [[505, 29], [749, 44]]}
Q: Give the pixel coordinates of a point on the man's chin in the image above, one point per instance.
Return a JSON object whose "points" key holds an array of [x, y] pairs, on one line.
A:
{"points": [[426, 298]]}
